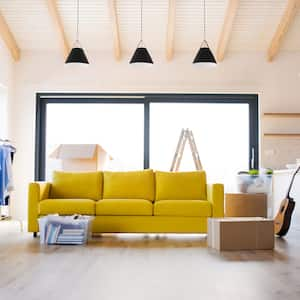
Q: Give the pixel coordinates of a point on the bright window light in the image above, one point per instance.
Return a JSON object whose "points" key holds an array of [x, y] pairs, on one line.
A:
{"points": [[118, 128], [221, 133]]}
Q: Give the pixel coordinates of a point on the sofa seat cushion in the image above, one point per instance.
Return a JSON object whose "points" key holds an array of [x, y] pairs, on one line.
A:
{"points": [[180, 185], [124, 207], [83, 185], [67, 206], [183, 208], [129, 185]]}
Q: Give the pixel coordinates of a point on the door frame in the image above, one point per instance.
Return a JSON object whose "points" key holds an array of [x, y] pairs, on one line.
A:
{"points": [[43, 99]]}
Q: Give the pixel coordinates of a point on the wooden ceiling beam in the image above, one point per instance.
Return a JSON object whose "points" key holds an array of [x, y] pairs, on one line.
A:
{"points": [[9, 40], [171, 30], [115, 28], [224, 38], [57, 21], [282, 28]]}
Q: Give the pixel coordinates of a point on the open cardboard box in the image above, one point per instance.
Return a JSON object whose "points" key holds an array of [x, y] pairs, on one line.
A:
{"points": [[81, 157]]}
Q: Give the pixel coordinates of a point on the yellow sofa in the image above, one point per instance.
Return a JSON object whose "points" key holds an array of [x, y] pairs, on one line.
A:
{"points": [[136, 201]]}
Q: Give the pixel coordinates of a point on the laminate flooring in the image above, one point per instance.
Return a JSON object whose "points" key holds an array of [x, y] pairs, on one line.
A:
{"points": [[131, 266]]}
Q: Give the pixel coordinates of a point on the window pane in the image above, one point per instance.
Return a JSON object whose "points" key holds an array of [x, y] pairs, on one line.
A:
{"points": [[118, 128], [221, 133]]}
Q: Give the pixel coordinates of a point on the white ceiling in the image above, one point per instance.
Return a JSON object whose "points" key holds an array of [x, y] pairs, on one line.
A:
{"points": [[253, 29]]}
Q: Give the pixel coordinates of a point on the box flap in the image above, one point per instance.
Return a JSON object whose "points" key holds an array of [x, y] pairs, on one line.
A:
{"points": [[241, 219], [75, 151]]}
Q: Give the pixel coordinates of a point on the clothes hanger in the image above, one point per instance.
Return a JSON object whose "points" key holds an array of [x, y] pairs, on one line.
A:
{"points": [[7, 142]]}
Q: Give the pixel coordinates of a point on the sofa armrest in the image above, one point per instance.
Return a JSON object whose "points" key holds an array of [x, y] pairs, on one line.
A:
{"points": [[37, 191], [215, 195]]}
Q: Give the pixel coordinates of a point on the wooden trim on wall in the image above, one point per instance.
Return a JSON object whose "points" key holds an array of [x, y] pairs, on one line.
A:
{"points": [[224, 38], [9, 39], [282, 28], [285, 135], [171, 30], [57, 21], [115, 28], [282, 115]]}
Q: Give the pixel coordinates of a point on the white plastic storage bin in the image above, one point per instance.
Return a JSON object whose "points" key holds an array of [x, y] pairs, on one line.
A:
{"points": [[65, 230], [252, 184]]}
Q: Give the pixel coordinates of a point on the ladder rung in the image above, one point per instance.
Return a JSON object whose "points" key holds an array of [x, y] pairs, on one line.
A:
{"points": [[186, 135]]}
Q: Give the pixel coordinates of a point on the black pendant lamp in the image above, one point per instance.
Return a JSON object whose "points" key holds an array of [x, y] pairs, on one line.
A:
{"points": [[141, 54], [77, 54], [204, 55]]}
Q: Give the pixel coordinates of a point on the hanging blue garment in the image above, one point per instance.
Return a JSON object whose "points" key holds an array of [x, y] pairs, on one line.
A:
{"points": [[4, 172]]}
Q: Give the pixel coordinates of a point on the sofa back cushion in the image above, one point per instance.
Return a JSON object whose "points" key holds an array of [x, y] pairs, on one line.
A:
{"points": [[77, 185], [129, 185], [180, 185]]}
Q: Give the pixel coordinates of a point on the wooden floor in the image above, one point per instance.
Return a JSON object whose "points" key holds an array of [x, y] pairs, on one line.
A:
{"points": [[145, 267]]}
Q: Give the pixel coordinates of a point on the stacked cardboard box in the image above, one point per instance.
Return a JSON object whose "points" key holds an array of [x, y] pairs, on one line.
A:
{"points": [[240, 233], [246, 205]]}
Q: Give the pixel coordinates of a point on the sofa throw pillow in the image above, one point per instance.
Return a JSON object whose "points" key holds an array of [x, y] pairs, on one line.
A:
{"points": [[129, 185], [87, 185], [180, 185]]}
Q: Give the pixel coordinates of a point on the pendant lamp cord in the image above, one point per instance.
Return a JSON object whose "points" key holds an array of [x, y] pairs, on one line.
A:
{"points": [[204, 20], [77, 27], [141, 25]]}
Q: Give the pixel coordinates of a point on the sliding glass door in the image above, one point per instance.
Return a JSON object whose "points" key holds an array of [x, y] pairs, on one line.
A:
{"points": [[117, 128], [221, 133], [142, 130]]}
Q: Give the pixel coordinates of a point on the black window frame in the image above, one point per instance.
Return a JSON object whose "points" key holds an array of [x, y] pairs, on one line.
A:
{"points": [[145, 99]]}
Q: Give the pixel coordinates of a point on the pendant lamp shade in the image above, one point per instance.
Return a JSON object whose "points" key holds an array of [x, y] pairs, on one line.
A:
{"points": [[204, 54], [141, 54], [77, 54]]}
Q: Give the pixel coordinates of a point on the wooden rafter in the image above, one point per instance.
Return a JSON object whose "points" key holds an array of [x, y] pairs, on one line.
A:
{"points": [[115, 28], [9, 40], [231, 11], [171, 30], [282, 28], [57, 21]]}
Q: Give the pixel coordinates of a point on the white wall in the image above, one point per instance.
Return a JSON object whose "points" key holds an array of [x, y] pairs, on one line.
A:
{"points": [[6, 90], [6, 95], [277, 83]]}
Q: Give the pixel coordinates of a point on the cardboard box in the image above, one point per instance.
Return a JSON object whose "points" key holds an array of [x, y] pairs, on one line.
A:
{"points": [[246, 205], [80, 157], [240, 233]]}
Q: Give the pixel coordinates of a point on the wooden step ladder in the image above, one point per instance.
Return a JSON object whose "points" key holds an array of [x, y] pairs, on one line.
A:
{"points": [[185, 135]]}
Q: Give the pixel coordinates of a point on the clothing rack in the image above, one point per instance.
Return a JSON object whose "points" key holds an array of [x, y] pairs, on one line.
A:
{"points": [[3, 216], [7, 142], [7, 215]]}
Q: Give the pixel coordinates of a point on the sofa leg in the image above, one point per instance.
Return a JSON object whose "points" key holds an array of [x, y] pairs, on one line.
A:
{"points": [[35, 234]]}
